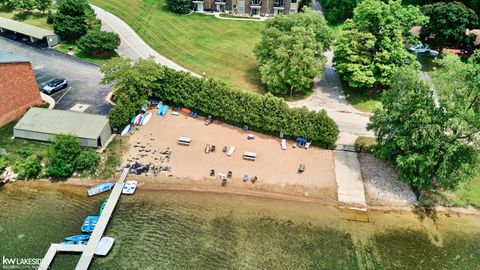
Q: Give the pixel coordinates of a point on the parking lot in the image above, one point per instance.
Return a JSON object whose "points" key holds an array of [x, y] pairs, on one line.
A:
{"points": [[84, 93]]}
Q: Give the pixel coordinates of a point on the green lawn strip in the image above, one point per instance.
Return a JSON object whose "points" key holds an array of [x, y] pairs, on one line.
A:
{"points": [[99, 60], [201, 43], [365, 100], [35, 18]]}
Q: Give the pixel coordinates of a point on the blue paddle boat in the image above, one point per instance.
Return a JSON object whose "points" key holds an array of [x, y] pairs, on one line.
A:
{"points": [[89, 224]]}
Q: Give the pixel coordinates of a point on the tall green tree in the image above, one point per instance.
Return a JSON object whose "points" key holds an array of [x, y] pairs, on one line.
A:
{"points": [[387, 24], [98, 42], [70, 20], [62, 156], [448, 24], [337, 11], [419, 137], [290, 52], [43, 5]]}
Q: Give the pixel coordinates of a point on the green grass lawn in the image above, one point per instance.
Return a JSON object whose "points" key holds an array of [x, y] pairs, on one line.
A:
{"points": [[470, 193], [361, 99], [34, 18], [99, 60], [201, 43]]}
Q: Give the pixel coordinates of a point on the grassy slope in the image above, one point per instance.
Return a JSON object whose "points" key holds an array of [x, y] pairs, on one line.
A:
{"points": [[34, 18], [201, 43]]}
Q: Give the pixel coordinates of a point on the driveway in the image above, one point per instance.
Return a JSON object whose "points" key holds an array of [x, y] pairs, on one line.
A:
{"points": [[131, 45], [328, 95], [84, 91]]}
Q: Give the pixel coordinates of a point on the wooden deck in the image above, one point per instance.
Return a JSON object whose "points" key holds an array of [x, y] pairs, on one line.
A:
{"points": [[88, 251]]}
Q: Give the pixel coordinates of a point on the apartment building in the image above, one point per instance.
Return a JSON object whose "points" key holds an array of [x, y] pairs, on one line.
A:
{"points": [[248, 7]]}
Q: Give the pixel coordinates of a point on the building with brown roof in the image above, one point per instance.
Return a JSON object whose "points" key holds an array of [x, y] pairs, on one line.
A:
{"points": [[18, 87]]}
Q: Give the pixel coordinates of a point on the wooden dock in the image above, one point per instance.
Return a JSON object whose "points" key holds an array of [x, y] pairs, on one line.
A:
{"points": [[88, 251]]}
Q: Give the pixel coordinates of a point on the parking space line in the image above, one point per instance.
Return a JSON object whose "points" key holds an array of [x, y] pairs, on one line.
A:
{"points": [[66, 91]]}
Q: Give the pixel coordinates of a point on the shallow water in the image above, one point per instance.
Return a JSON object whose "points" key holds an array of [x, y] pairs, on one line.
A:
{"points": [[191, 230]]}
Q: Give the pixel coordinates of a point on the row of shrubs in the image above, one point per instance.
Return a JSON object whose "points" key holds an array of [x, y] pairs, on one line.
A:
{"points": [[263, 113]]}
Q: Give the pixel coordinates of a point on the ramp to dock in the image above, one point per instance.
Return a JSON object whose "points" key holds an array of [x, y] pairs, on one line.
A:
{"points": [[88, 251], [351, 193]]}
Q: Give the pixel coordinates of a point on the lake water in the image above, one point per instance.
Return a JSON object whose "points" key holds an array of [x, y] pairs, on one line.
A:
{"points": [[192, 230]]}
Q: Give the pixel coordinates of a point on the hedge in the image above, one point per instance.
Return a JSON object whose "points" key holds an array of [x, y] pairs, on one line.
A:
{"points": [[263, 113]]}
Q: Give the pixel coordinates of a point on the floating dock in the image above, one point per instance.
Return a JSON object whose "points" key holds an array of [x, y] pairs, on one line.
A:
{"points": [[88, 250]]}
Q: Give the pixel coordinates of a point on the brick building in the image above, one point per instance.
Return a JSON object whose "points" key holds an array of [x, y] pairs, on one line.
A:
{"points": [[18, 87]]}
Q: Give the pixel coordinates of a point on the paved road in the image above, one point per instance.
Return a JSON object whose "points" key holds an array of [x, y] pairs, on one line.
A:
{"points": [[83, 77], [132, 46], [328, 95]]}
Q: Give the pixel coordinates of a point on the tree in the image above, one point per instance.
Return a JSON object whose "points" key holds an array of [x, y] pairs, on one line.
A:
{"points": [[23, 5], [43, 5], [291, 51], [62, 155], [70, 20], [448, 24], [97, 42], [419, 137], [371, 48], [30, 168], [87, 161], [133, 84], [179, 6], [337, 11]]}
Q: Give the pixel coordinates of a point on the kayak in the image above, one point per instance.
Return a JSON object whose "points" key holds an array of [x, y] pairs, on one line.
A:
{"points": [[78, 237], [103, 206]]}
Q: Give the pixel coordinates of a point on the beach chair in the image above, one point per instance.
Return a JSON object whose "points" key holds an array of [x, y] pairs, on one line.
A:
{"points": [[225, 149], [207, 148], [229, 174], [254, 179], [224, 182], [212, 148], [301, 168], [245, 178], [212, 172]]}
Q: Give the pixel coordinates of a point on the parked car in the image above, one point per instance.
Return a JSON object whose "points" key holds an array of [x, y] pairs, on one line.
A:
{"points": [[419, 48], [54, 85]]}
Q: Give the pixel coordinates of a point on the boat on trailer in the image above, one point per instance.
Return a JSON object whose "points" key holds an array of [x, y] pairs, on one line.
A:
{"points": [[92, 191]]}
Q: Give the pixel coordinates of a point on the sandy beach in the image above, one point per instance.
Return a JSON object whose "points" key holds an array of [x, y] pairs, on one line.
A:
{"points": [[275, 169]]}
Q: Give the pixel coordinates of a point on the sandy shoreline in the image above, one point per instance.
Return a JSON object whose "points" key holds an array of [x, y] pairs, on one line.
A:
{"points": [[234, 190]]}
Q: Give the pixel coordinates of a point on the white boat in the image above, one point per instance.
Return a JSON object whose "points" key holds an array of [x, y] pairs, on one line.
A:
{"points": [[104, 246], [130, 187]]}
